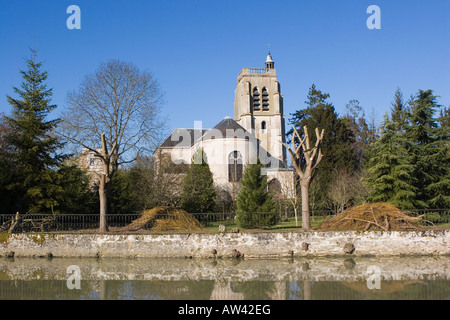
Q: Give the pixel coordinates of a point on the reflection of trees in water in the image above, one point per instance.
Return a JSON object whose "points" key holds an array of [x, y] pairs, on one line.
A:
{"points": [[255, 290], [198, 290], [357, 290], [45, 289], [106, 289], [298, 290], [210, 289], [407, 289], [167, 290]]}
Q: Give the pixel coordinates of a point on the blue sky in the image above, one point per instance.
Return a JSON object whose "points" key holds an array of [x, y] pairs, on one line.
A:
{"points": [[196, 48]]}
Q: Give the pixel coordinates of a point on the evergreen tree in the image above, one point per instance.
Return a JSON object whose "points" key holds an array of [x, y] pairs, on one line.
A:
{"points": [[77, 197], [444, 119], [6, 170], [255, 205], [390, 171], [35, 155], [410, 163], [198, 194], [430, 152], [356, 122], [122, 199], [337, 144], [399, 112], [141, 176]]}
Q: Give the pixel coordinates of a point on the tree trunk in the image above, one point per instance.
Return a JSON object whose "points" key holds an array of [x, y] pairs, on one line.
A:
{"points": [[306, 225], [311, 158], [14, 222], [104, 185], [296, 216], [103, 203]]}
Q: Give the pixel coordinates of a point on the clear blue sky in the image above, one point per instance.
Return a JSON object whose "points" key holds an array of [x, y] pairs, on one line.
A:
{"points": [[196, 48]]}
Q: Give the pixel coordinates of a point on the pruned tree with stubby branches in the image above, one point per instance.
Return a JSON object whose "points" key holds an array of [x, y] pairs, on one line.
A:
{"points": [[115, 114], [305, 159]]}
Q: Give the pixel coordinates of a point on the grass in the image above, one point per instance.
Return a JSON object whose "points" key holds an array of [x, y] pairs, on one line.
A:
{"points": [[214, 226], [290, 223], [284, 225]]}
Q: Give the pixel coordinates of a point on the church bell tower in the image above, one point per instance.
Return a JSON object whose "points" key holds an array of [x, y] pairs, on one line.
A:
{"points": [[258, 107]]}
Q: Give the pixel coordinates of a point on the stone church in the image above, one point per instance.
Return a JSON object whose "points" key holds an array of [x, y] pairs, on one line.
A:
{"points": [[256, 132]]}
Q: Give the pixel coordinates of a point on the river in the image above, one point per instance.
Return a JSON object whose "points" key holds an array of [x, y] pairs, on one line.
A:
{"points": [[357, 278]]}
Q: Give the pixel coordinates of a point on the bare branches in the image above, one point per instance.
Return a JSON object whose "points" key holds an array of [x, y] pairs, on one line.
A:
{"points": [[302, 153], [305, 160], [119, 101], [117, 106]]}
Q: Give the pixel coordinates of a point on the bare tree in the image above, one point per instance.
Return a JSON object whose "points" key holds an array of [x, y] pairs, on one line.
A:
{"points": [[118, 108], [289, 190], [342, 189], [346, 189], [305, 160]]}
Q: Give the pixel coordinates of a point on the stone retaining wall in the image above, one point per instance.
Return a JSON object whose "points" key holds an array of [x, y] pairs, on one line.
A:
{"points": [[251, 245]]}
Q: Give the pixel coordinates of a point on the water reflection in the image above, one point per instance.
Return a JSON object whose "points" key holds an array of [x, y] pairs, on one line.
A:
{"points": [[156, 279]]}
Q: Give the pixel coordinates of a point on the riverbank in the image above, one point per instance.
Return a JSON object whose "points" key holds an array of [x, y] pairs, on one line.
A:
{"points": [[228, 245]]}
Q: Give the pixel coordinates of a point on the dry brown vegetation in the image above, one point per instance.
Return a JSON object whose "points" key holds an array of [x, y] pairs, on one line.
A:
{"points": [[379, 216], [161, 219]]}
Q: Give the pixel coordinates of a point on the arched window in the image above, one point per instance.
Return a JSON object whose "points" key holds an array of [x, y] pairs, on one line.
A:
{"points": [[256, 99], [263, 126], [235, 166], [265, 99]]}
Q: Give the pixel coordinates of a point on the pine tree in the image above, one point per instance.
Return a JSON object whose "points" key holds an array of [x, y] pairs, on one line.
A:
{"points": [[430, 152], [399, 111], [444, 119], [356, 122], [255, 205], [35, 155], [410, 163], [198, 194], [78, 196], [6, 170], [122, 199], [390, 171]]}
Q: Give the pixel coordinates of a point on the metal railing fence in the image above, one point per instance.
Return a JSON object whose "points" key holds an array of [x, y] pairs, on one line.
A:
{"points": [[90, 222]]}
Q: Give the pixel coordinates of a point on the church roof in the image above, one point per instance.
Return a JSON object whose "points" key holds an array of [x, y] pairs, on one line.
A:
{"points": [[227, 128], [181, 137], [185, 138]]}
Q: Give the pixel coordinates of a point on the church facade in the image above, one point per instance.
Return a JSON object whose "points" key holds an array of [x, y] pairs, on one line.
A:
{"points": [[256, 132]]}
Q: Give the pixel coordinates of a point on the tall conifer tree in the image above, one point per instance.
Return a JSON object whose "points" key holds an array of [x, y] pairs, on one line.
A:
{"points": [[255, 205], [35, 147], [8, 198], [390, 170], [399, 112], [198, 194], [430, 152]]}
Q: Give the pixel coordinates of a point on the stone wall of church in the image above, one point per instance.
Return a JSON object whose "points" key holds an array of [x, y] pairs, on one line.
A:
{"points": [[218, 151]]}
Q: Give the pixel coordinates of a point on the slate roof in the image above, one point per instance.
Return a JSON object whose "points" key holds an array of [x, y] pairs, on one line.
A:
{"points": [[226, 128], [181, 137]]}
